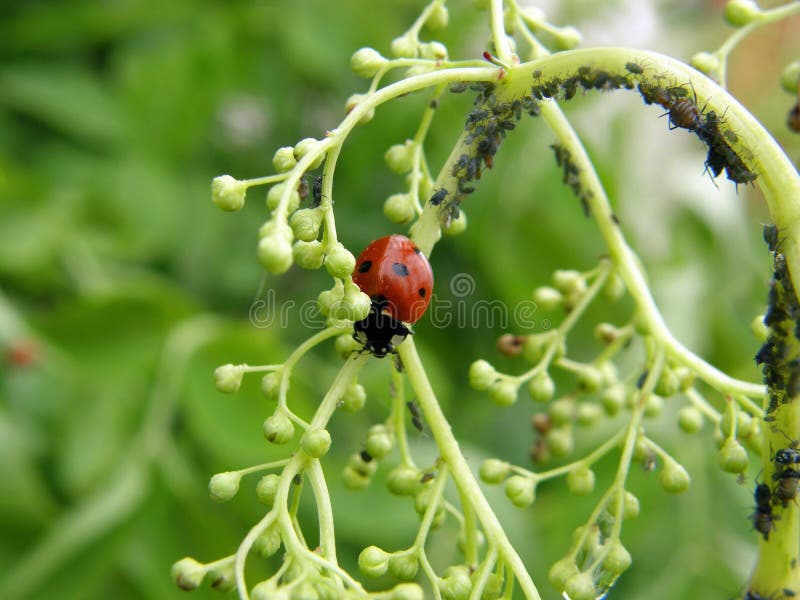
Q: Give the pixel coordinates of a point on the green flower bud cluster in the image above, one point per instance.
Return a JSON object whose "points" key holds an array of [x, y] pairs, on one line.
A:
{"points": [[344, 302], [359, 470], [367, 62], [456, 583], [571, 285]]}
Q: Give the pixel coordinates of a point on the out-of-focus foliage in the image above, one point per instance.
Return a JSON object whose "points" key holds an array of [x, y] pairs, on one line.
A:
{"points": [[122, 287]]}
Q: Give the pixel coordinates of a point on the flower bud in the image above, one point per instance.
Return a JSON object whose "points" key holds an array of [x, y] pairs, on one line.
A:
{"points": [[614, 287], [438, 17], [228, 193], [520, 490], [668, 383], [269, 542], [355, 480], [266, 489], [188, 573], [379, 441], [456, 584], [690, 419], [685, 378], [405, 46], [588, 413], [630, 506], [366, 62], [618, 558], [400, 157], [316, 442], [494, 471], [407, 591], [542, 387], [456, 226], [267, 590], [733, 457], [741, 12], [705, 62], [352, 102], [562, 411], [613, 399], [330, 299], [373, 561], [567, 38], [274, 198], [283, 160], [653, 406], [359, 304], [228, 378], [674, 478], [560, 441], [270, 383], [580, 481], [481, 375], [580, 587], [433, 51], [278, 429], [275, 254], [305, 223], [503, 393], [224, 486], [605, 333], [790, 77], [339, 261], [223, 577], [404, 568], [589, 379], [354, 396], [306, 146], [399, 209], [404, 481], [561, 571], [547, 298], [308, 255]]}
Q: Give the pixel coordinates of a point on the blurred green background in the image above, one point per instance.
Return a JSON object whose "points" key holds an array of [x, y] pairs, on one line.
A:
{"points": [[123, 286]]}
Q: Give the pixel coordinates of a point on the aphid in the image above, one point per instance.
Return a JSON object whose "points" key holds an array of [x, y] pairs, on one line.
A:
{"points": [[416, 416], [438, 196], [762, 518], [302, 189], [316, 191], [785, 488], [635, 68], [793, 118], [542, 423], [684, 113], [771, 236], [458, 87], [463, 188], [397, 277]]}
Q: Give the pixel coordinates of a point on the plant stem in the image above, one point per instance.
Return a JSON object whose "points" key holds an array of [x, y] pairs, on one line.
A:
{"points": [[462, 475]]}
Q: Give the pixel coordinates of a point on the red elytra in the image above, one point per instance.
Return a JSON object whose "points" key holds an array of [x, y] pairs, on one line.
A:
{"points": [[398, 278]]}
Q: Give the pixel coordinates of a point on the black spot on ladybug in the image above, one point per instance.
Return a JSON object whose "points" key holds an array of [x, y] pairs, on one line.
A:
{"points": [[422, 292], [400, 269], [365, 266]]}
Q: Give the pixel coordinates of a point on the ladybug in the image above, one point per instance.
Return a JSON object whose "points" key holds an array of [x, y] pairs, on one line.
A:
{"points": [[398, 278]]}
